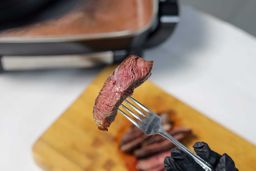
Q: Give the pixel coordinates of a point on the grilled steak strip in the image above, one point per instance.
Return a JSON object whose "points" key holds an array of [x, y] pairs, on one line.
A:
{"points": [[152, 149], [131, 73], [159, 138], [153, 162], [132, 145], [143, 140], [132, 133], [157, 168]]}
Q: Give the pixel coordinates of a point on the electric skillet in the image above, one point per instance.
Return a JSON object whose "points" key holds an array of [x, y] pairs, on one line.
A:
{"points": [[80, 32]]}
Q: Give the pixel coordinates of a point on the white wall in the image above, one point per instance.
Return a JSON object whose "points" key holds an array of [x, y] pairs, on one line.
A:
{"points": [[241, 13]]}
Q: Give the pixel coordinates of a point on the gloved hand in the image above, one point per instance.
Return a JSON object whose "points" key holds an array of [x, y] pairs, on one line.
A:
{"points": [[180, 161]]}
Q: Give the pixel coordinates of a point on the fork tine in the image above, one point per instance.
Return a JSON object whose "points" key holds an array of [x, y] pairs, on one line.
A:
{"points": [[135, 108], [139, 104], [129, 118], [131, 112]]}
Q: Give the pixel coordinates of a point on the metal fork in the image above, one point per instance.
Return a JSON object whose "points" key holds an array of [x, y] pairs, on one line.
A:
{"points": [[150, 124]]}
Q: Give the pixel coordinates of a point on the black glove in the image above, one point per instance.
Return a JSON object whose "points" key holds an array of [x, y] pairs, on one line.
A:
{"points": [[180, 161]]}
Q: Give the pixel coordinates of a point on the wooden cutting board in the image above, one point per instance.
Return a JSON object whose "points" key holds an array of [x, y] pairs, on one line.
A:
{"points": [[73, 143]]}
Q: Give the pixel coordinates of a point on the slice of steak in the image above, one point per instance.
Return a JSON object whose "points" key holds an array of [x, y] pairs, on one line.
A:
{"points": [[158, 147], [141, 140], [138, 141], [159, 138], [135, 139], [153, 162], [131, 73], [132, 133], [132, 145], [157, 168]]}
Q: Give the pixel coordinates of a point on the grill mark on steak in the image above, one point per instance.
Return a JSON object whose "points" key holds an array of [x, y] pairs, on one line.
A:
{"points": [[131, 73]]}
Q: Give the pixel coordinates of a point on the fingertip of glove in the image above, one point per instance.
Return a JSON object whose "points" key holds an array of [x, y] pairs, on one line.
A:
{"points": [[225, 158], [168, 163], [199, 145], [176, 153], [167, 160], [226, 163]]}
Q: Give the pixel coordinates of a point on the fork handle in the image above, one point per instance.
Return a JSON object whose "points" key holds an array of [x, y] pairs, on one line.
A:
{"points": [[205, 165]]}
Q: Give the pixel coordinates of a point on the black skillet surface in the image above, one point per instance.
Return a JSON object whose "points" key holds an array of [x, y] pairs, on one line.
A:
{"points": [[15, 13]]}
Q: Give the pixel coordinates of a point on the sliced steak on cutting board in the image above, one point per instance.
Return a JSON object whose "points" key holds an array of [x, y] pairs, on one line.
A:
{"points": [[131, 73]]}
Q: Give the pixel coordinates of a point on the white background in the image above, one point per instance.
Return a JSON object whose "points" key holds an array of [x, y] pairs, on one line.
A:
{"points": [[240, 13], [207, 63]]}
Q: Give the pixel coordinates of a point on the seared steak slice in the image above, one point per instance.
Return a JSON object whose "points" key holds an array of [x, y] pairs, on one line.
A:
{"points": [[158, 147], [174, 132], [129, 147], [131, 73], [134, 138], [132, 133], [138, 142], [153, 163]]}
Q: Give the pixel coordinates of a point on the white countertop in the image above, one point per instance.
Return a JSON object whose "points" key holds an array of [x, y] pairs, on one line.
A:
{"points": [[207, 63]]}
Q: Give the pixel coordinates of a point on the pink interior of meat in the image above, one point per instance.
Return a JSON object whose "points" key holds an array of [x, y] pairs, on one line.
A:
{"points": [[119, 82], [119, 85]]}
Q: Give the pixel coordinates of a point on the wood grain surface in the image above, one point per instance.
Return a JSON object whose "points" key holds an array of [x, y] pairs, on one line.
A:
{"points": [[73, 142]]}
